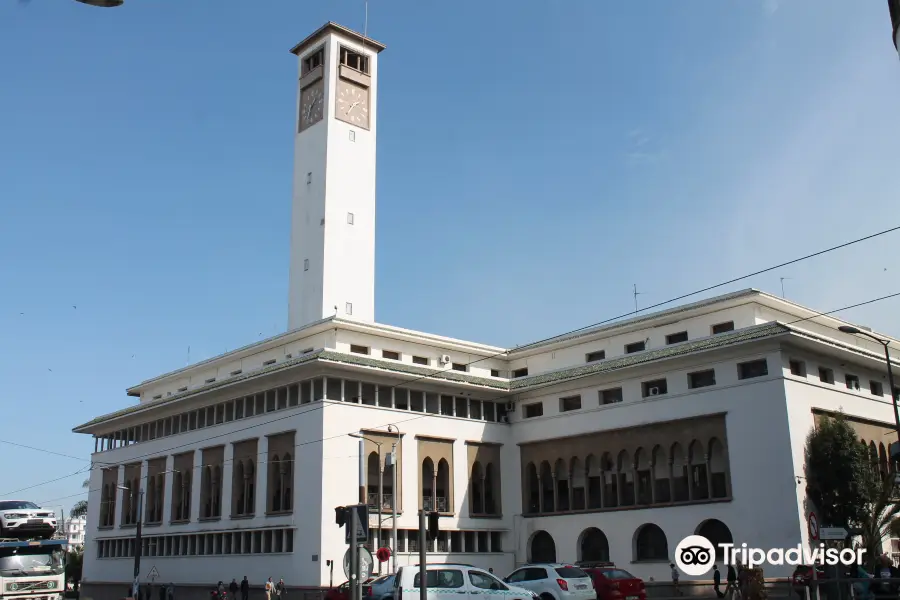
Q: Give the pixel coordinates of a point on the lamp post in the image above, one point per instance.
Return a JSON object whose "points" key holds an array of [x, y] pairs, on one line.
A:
{"points": [[887, 357], [394, 491], [137, 540], [380, 488]]}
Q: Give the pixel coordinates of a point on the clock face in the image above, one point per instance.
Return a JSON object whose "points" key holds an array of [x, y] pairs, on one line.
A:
{"points": [[312, 103], [353, 104]]}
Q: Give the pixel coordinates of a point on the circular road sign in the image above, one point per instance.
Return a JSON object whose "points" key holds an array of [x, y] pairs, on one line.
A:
{"points": [[813, 527], [366, 563]]}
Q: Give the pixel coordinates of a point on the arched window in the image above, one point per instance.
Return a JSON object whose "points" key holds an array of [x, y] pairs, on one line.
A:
{"points": [[177, 496], [610, 481], [662, 492], [718, 533], [717, 466], [287, 482], [275, 483], [561, 470], [217, 491], [104, 506], [428, 484], [650, 543], [594, 475], [373, 476], [579, 481], [548, 505], [699, 479], [476, 489], [644, 482], [533, 489], [626, 478], [238, 492], [151, 500], [207, 493], [490, 490], [250, 487], [442, 492], [542, 548], [593, 546], [678, 457]]}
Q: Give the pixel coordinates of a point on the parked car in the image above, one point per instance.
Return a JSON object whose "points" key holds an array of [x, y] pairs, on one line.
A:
{"points": [[802, 578], [554, 581], [23, 519], [382, 588], [342, 592], [443, 580], [612, 583]]}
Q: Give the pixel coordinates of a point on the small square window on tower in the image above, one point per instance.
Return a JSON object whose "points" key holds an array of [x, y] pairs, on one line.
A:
{"points": [[308, 178], [306, 264], [349, 308], [349, 218]]}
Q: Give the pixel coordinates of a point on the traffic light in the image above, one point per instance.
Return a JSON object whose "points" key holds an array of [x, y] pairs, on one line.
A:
{"points": [[340, 516], [433, 527]]}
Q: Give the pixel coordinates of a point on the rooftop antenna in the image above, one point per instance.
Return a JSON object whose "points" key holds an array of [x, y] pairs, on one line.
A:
{"points": [[636, 294], [782, 285], [189, 355], [366, 21]]}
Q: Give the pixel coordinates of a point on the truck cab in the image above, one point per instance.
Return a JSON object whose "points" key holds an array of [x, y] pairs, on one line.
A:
{"points": [[32, 569]]}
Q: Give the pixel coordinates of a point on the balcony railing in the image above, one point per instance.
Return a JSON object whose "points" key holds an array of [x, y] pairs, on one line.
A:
{"points": [[387, 501], [428, 503]]}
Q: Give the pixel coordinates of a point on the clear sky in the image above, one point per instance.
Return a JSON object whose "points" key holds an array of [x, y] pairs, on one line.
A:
{"points": [[535, 160]]}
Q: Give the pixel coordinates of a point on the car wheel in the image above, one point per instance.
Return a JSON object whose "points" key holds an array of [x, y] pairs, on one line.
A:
{"points": [[546, 596]]}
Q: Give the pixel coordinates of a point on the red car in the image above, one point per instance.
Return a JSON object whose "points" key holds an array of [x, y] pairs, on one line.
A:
{"points": [[342, 592], [613, 583]]}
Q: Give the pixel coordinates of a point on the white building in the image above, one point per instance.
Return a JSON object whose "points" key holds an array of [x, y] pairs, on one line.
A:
{"points": [[74, 527], [616, 441]]}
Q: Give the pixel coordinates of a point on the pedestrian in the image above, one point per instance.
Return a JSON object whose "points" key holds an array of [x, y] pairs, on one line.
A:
{"points": [[270, 587], [233, 588], [162, 592], [717, 581], [731, 578], [221, 589], [884, 569], [170, 591], [675, 577], [245, 588], [279, 589]]}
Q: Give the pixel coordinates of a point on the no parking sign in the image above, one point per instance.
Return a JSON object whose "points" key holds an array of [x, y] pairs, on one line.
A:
{"points": [[813, 527]]}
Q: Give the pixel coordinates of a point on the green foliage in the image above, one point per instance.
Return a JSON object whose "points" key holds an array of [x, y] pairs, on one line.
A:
{"points": [[74, 563], [79, 510], [835, 462]]}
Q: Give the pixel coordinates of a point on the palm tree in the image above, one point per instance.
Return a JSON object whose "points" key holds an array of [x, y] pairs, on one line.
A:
{"points": [[80, 508], [880, 509]]}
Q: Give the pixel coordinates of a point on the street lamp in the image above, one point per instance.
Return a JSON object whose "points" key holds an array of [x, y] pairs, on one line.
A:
{"points": [[103, 3], [380, 486], [394, 466], [887, 357], [137, 538]]}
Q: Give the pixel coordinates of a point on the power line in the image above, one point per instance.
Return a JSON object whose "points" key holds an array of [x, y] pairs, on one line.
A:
{"points": [[657, 305], [424, 415]]}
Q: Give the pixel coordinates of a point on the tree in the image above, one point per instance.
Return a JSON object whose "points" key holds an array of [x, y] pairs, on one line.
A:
{"points": [[74, 562], [80, 508], [851, 487]]}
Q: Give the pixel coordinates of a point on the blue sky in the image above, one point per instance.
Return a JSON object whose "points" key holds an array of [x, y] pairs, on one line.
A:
{"points": [[559, 153]]}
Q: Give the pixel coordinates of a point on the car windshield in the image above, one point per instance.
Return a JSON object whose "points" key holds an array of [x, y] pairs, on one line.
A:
{"points": [[570, 573], [30, 561], [17, 504], [617, 574]]}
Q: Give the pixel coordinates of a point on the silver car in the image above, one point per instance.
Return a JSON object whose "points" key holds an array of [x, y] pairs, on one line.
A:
{"points": [[22, 519]]}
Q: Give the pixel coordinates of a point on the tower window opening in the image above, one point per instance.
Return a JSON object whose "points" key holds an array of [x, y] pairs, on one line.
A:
{"points": [[355, 60], [316, 59]]}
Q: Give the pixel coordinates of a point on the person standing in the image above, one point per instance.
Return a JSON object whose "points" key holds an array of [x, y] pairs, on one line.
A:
{"points": [[170, 591], [279, 589], [233, 588], [732, 581], [675, 577], [270, 587], [245, 588], [717, 581]]}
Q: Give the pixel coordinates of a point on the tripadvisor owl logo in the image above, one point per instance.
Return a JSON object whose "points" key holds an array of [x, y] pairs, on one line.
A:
{"points": [[695, 555]]}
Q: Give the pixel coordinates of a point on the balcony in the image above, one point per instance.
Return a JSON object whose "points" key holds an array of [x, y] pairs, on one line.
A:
{"points": [[429, 502], [387, 502]]}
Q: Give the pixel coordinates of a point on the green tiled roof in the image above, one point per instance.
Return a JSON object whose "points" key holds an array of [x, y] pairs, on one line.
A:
{"points": [[521, 384]]}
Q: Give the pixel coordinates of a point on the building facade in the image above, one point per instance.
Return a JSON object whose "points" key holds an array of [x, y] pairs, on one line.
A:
{"points": [[612, 443], [74, 528]]}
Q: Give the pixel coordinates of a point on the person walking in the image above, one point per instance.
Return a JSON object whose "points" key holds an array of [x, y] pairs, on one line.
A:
{"points": [[245, 588], [731, 578], [279, 589], [221, 590], [233, 588], [675, 577], [270, 588], [717, 581], [170, 591]]}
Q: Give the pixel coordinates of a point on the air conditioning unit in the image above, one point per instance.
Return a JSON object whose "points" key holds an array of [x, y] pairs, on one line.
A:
{"points": [[654, 391], [445, 359]]}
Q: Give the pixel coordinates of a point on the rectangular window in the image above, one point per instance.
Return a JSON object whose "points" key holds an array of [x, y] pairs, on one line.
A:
{"points": [[754, 368], [657, 387], [460, 367], [702, 379], [595, 356], [529, 411], [676, 338], [349, 218], [798, 368], [495, 373], [876, 388], [852, 382], [390, 355], [611, 396], [359, 349], [569, 403], [315, 59], [269, 362], [723, 328], [420, 360], [635, 347], [306, 264], [354, 60], [523, 372], [826, 375]]}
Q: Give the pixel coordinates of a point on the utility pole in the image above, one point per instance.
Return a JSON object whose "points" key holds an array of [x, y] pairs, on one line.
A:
{"points": [[362, 500], [354, 556], [423, 539], [394, 506]]}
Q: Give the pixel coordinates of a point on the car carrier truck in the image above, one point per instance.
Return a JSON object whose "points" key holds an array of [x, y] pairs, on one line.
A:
{"points": [[32, 569]]}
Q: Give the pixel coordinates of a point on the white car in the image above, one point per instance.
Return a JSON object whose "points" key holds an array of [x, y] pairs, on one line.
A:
{"points": [[554, 581], [22, 519], [449, 581]]}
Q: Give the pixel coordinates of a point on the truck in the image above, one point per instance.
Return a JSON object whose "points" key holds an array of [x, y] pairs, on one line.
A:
{"points": [[32, 569]]}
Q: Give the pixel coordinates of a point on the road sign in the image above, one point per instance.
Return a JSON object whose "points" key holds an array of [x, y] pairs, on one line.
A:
{"points": [[365, 563], [362, 523], [813, 527], [833, 533], [153, 574]]}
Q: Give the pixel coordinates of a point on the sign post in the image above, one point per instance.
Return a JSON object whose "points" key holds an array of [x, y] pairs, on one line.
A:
{"points": [[813, 527], [833, 533]]}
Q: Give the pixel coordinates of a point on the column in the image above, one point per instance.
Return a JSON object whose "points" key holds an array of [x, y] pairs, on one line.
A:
{"points": [[196, 480], [635, 485], [620, 492], [434, 505], [671, 479], [587, 487], [168, 482], [690, 480], [227, 474], [484, 508], [117, 507], [652, 480], [709, 488], [555, 477], [143, 486], [262, 462]]}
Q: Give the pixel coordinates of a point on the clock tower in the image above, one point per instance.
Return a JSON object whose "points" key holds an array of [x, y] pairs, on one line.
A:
{"points": [[333, 215]]}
